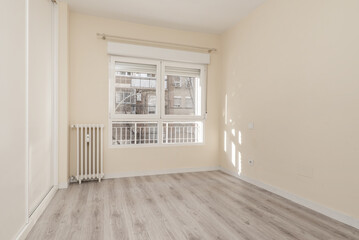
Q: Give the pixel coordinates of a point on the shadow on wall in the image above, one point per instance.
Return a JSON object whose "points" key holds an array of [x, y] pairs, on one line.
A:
{"points": [[232, 142]]}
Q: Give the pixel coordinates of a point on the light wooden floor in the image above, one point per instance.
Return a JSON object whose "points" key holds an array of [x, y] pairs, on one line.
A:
{"points": [[207, 205]]}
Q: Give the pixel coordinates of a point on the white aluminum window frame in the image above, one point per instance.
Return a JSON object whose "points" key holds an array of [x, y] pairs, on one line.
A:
{"points": [[112, 86], [160, 117], [202, 98]]}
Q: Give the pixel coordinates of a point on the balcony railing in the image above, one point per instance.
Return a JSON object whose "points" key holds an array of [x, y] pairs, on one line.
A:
{"points": [[134, 133], [141, 133], [180, 133]]}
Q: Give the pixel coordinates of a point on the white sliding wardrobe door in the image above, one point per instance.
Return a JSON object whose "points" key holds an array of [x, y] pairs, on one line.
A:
{"points": [[40, 62]]}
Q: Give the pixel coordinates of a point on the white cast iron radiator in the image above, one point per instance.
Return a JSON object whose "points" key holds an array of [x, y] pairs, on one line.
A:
{"points": [[89, 157]]}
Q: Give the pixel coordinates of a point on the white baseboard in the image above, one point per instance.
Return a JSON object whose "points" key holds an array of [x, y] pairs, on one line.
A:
{"points": [[36, 215], [159, 172], [341, 217]]}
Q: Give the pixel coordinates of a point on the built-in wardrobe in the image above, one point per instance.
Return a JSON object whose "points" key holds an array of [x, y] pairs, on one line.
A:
{"points": [[28, 93], [41, 101]]}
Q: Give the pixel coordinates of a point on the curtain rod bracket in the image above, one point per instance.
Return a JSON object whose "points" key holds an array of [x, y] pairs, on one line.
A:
{"points": [[101, 35]]}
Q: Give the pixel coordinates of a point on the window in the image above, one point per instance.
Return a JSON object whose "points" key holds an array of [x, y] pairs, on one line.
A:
{"points": [[190, 90], [152, 104], [189, 102], [156, 102], [176, 82], [177, 101], [133, 85], [124, 96]]}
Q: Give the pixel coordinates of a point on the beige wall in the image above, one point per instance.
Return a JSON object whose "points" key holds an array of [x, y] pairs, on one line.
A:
{"points": [[13, 118], [89, 95], [63, 95], [291, 67]]}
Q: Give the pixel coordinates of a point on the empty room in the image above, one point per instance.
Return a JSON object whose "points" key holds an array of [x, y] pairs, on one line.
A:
{"points": [[176, 120]]}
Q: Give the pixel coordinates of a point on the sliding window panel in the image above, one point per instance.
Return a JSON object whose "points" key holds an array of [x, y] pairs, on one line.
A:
{"points": [[183, 91], [134, 88], [40, 101]]}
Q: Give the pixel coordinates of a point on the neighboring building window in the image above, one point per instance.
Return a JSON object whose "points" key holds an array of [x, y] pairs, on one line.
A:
{"points": [[124, 96], [189, 102], [176, 82], [156, 102], [152, 104], [139, 96], [177, 101]]}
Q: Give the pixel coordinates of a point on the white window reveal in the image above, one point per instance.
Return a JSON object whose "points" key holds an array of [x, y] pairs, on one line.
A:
{"points": [[155, 102]]}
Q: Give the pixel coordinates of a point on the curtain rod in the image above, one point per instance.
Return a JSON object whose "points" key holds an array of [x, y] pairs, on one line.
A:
{"points": [[107, 36]]}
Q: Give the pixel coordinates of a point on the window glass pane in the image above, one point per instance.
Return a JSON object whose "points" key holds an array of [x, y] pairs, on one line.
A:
{"points": [[130, 133], [177, 101], [182, 91], [182, 132], [189, 102], [135, 88]]}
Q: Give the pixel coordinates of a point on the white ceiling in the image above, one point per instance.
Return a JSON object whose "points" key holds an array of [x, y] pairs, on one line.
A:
{"points": [[212, 16]]}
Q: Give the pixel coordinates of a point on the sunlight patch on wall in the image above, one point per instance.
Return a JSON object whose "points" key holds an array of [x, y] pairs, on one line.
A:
{"points": [[239, 163], [233, 154], [225, 110], [225, 141]]}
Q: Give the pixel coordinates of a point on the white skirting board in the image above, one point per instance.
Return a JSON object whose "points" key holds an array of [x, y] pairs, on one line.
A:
{"points": [[36, 215], [159, 172], [341, 217]]}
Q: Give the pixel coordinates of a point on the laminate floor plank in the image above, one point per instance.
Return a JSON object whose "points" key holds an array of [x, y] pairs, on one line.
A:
{"points": [[229, 218], [206, 219], [250, 220], [176, 213], [203, 205], [265, 215], [306, 218]]}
